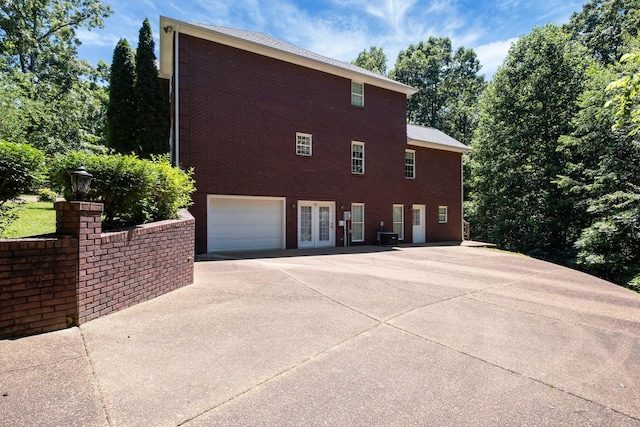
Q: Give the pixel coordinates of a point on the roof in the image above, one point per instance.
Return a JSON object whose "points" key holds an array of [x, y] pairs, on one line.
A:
{"points": [[433, 138], [269, 46]]}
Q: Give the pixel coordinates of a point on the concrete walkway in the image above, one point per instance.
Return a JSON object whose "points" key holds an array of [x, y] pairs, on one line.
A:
{"points": [[434, 336]]}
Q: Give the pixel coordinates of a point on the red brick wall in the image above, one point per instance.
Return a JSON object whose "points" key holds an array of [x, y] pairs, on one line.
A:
{"points": [[80, 274], [37, 285], [239, 114], [125, 268]]}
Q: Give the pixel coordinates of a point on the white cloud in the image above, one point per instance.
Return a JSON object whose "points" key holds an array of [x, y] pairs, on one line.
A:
{"points": [[492, 55], [96, 39]]}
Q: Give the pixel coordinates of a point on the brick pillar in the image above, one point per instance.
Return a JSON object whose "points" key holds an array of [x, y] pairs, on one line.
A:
{"points": [[82, 220]]}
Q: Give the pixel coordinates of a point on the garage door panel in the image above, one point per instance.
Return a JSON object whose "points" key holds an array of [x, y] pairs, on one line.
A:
{"points": [[245, 224]]}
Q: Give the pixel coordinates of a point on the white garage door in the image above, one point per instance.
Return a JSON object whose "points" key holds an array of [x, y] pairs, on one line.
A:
{"points": [[245, 223]]}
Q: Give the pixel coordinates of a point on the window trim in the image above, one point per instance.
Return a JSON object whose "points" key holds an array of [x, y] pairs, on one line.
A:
{"points": [[412, 165], [446, 214], [353, 222], [298, 145], [354, 159], [358, 95], [401, 232]]}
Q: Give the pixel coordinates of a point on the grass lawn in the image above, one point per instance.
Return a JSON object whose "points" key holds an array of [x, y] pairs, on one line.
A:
{"points": [[35, 218]]}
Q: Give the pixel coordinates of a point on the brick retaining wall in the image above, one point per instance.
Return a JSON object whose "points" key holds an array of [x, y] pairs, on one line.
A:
{"points": [[37, 285], [49, 283]]}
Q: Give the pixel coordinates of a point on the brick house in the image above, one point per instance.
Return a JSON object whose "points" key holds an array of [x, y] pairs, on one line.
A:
{"points": [[287, 143]]}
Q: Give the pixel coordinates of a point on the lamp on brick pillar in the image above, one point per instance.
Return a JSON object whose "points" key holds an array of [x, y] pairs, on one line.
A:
{"points": [[81, 183]]}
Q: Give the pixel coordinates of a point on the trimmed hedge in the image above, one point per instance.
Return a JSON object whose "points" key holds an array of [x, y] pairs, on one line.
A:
{"points": [[133, 191]]}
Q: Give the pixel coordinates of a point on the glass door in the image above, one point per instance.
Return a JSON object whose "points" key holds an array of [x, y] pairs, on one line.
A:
{"points": [[316, 224]]}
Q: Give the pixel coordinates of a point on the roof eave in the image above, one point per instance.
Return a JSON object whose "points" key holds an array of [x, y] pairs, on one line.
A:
{"points": [[226, 39], [436, 146]]}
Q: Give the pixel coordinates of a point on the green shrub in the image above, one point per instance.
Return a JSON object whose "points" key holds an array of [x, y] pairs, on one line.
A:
{"points": [[21, 167], [133, 191], [47, 195]]}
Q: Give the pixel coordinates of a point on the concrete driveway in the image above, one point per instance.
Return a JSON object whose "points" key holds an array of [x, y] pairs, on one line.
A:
{"points": [[437, 336]]}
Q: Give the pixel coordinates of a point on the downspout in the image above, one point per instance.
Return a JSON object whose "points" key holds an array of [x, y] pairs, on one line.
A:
{"points": [[176, 93], [462, 195]]}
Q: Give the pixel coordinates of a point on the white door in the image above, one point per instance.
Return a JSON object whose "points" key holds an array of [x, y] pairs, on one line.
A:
{"points": [[419, 228], [316, 222], [245, 223]]}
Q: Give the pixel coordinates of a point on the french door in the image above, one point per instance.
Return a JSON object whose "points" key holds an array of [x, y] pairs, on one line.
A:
{"points": [[316, 222]]}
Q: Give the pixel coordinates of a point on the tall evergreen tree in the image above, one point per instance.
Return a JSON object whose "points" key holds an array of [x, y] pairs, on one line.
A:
{"points": [[528, 106], [152, 120], [121, 113]]}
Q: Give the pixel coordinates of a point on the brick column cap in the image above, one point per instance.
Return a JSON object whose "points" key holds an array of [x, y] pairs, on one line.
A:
{"points": [[79, 206]]}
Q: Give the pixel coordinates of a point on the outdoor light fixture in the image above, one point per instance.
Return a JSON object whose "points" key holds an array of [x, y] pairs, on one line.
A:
{"points": [[81, 183]]}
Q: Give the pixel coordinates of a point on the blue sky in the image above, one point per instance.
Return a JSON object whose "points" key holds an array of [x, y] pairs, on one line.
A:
{"points": [[341, 29]]}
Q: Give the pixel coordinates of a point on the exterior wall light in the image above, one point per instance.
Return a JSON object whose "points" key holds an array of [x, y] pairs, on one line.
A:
{"points": [[81, 183]]}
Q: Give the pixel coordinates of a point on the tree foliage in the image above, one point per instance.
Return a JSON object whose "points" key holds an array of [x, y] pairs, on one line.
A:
{"points": [[373, 60], [53, 99], [602, 178], [152, 117], [523, 113], [626, 93], [449, 86], [604, 26], [121, 113]]}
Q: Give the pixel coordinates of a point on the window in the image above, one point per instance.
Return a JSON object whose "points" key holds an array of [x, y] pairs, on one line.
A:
{"points": [[357, 158], [398, 221], [409, 164], [357, 222], [442, 214], [303, 144], [357, 94]]}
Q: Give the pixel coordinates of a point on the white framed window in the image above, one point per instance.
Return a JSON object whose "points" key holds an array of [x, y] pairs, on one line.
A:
{"points": [[409, 164], [357, 94], [442, 214], [357, 222], [357, 158], [303, 144], [398, 221]]}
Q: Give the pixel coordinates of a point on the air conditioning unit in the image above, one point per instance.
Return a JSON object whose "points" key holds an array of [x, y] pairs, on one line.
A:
{"points": [[387, 238]]}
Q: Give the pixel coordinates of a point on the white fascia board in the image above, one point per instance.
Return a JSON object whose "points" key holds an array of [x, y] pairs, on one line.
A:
{"points": [[434, 146], [249, 46]]}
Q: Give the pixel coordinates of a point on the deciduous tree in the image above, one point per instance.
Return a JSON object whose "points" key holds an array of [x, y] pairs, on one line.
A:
{"points": [[373, 60], [58, 101], [449, 86], [525, 110], [603, 26]]}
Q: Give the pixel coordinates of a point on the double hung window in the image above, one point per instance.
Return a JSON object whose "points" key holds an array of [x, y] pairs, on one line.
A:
{"points": [[410, 164], [442, 214], [357, 94], [357, 158]]}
